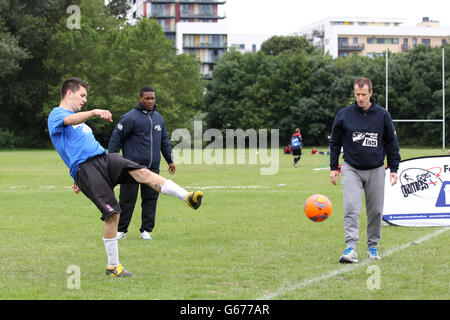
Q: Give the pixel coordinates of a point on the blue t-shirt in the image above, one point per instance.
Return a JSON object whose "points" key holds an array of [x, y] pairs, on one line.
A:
{"points": [[75, 144], [296, 143]]}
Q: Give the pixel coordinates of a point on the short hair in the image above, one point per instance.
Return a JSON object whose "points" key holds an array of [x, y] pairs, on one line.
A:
{"points": [[72, 84], [361, 82], [146, 89]]}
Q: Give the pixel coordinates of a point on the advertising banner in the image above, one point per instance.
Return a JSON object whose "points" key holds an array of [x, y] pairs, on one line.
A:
{"points": [[421, 197]]}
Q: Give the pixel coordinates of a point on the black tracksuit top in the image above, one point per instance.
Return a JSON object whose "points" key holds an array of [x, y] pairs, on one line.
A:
{"points": [[142, 136], [367, 137]]}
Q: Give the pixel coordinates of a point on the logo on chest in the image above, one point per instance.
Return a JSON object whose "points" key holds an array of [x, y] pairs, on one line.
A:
{"points": [[84, 127], [367, 139], [157, 127]]}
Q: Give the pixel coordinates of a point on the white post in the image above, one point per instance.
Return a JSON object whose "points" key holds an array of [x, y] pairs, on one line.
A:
{"points": [[443, 98], [387, 79]]}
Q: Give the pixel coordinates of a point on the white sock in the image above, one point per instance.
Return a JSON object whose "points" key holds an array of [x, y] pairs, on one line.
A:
{"points": [[112, 251], [172, 189]]}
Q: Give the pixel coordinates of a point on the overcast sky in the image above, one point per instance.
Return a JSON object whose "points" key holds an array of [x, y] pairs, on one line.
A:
{"points": [[283, 17]]}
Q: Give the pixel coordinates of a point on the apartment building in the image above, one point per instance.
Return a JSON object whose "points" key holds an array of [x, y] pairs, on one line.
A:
{"points": [[206, 44], [205, 38], [245, 43], [343, 36]]}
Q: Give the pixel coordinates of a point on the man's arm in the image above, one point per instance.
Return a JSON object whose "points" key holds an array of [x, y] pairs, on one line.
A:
{"points": [[392, 148], [334, 176], [335, 142], [166, 147], [166, 150], [81, 117]]}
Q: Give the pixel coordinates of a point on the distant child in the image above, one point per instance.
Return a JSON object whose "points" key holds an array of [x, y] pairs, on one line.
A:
{"points": [[296, 144]]}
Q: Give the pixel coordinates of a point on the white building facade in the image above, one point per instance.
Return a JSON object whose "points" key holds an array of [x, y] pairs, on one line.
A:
{"points": [[343, 36]]}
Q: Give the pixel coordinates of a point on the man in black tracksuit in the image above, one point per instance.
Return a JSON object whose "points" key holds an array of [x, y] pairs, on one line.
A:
{"points": [[142, 136], [366, 133]]}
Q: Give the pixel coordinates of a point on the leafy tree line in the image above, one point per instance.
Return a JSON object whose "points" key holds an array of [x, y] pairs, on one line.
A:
{"points": [[290, 84], [38, 50]]}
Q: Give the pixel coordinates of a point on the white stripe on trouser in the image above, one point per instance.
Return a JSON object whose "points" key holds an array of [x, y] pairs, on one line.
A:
{"points": [[354, 183]]}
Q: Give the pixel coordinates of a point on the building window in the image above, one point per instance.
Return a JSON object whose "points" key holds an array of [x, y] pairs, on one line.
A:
{"points": [[239, 46], [426, 42], [405, 41], [205, 40], [383, 40], [343, 41], [158, 10], [444, 41], [414, 41], [355, 40]]}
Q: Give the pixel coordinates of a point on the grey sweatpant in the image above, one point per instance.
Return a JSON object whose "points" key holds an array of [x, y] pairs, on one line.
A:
{"points": [[354, 183]]}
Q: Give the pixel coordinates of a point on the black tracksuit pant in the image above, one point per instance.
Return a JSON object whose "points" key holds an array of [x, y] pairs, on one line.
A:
{"points": [[127, 201]]}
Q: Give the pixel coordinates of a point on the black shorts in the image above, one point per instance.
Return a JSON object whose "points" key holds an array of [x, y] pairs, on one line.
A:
{"points": [[297, 152], [97, 177]]}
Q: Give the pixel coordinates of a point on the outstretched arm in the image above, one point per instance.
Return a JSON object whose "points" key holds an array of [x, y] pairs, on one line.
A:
{"points": [[81, 117]]}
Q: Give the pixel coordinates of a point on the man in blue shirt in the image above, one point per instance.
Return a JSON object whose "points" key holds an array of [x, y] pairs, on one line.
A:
{"points": [[95, 172]]}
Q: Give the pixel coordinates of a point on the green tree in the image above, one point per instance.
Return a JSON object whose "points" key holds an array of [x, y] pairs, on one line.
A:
{"points": [[119, 8], [287, 44], [25, 27], [415, 92], [239, 93], [11, 54], [116, 60]]}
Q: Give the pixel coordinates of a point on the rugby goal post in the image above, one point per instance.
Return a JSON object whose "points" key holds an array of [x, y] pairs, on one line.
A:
{"points": [[421, 120]]}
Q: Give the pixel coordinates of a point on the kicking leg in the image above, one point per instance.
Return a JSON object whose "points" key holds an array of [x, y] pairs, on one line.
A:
{"points": [[160, 184]]}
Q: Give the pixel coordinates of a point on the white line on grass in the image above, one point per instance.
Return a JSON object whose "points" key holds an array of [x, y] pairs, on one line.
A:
{"points": [[348, 268]]}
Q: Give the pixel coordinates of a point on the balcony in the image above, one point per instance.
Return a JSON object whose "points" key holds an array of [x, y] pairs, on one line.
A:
{"points": [[205, 45], [204, 15], [350, 47], [161, 15], [318, 33]]}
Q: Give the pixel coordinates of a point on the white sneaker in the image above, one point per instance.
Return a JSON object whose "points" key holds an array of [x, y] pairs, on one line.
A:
{"points": [[146, 235], [349, 256], [121, 235]]}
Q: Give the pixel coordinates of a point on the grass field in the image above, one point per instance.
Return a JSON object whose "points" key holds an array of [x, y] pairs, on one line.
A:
{"points": [[249, 240]]}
